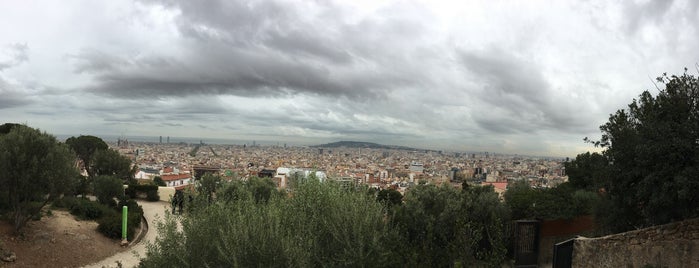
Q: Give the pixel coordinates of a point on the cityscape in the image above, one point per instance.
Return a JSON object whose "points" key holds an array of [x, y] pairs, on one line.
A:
{"points": [[381, 133], [375, 167]]}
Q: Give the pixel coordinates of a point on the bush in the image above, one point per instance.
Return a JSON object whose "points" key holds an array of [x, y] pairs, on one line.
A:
{"points": [[152, 196], [87, 210], [110, 225]]}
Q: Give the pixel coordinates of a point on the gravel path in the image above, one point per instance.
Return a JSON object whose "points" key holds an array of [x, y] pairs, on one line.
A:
{"points": [[152, 211]]}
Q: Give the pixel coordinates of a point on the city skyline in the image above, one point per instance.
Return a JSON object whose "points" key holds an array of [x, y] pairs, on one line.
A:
{"points": [[530, 78]]}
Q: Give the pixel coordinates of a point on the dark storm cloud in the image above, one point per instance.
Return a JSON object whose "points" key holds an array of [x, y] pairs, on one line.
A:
{"points": [[264, 48]]}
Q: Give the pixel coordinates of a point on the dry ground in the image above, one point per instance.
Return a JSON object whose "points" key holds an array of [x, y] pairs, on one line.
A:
{"points": [[59, 240]]}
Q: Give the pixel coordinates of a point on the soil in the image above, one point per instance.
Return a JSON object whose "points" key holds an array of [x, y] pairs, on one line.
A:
{"points": [[57, 240]]}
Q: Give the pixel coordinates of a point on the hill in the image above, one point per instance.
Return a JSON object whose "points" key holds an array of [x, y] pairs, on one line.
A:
{"points": [[361, 144]]}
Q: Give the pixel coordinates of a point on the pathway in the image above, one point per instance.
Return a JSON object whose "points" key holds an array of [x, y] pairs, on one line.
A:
{"points": [[151, 211]]}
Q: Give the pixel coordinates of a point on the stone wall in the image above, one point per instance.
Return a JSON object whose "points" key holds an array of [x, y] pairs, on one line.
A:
{"points": [[671, 245]]}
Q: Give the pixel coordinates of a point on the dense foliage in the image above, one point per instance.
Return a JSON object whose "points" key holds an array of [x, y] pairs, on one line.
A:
{"points": [[110, 223], [561, 202], [34, 169], [110, 163], [652, 152], [108, 189], [326, 225]]}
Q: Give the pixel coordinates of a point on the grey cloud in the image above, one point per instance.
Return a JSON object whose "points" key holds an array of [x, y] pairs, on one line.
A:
{"points": [[519, 96], [267, 48], [12, 55], [10, 96], [643, 13]]}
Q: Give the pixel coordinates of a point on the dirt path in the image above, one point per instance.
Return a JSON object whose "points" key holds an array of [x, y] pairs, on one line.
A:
{"points": [[152, 211], [57, 240]]}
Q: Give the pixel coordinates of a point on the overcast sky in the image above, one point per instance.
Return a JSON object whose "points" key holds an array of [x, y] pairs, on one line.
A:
{"points": [[525, 77]]}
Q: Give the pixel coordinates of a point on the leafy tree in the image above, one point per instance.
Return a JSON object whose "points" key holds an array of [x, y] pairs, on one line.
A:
{"points": [[107, 188], [159, 181], [653, 153], [34, 169], [520, 198], [428, 221], [445, 226], [389, 197], [262, 188], [587, 171], [208, 185], [86, 147], [485, 219], [110, 163]]}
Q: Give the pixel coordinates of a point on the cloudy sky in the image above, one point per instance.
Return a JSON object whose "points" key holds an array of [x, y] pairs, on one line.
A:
{"points": [[526, 77]]}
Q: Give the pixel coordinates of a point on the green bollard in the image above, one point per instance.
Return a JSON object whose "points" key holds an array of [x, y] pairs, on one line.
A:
{"points": [[124, 221]]}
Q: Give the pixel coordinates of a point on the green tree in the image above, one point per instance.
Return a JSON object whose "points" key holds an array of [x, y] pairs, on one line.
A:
{"points": [[389, 197], [208, 185], [262, 189], [445, 226], [159, 181], [587, 171], [85, 147], [110, 163], [653, 153], [107, 188], [34, 169], [520, 198]]}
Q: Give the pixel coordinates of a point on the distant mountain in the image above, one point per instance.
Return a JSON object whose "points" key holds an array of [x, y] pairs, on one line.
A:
{"points": [[361, 144]]}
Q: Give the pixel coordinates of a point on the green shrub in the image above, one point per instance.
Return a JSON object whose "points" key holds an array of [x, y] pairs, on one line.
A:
{"points": [[88, 210], [152, 195], [130, 191], [110, 225], [107, 188]]}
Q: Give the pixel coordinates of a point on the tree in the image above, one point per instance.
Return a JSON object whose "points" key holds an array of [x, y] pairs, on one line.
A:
{"points": [[85, 148], [262, 188], [445, 226], [159, 181], [107, 188], [208, 185], [110, 163], [653, 152], [34, 169], [389, 197], [587, 171]]}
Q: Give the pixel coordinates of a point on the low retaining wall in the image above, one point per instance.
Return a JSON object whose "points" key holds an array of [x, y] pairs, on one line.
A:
{"points": [[670, 245], [166, 193]]}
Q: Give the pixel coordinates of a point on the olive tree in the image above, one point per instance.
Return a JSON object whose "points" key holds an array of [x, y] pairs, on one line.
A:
{"points": [[34, 169]]}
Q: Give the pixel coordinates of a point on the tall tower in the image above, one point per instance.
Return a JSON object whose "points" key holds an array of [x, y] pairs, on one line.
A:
{"points": [[161, 139]]}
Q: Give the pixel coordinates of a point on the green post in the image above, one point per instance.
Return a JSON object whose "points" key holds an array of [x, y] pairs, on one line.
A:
{"points": [[124, 217]]}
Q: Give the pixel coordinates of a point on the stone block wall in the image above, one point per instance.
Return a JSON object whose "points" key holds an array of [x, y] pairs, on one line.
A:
{"points": [[670, 245]]}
